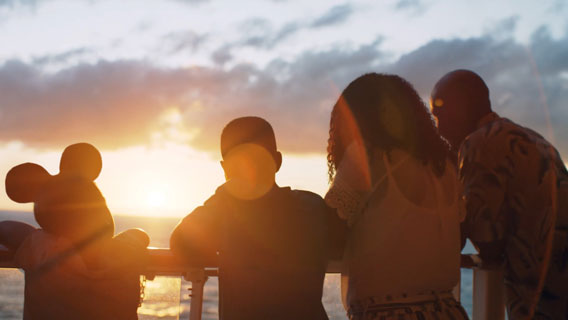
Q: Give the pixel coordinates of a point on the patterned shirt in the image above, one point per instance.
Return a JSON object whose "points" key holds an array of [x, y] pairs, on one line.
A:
{"points": [[514, 182]]}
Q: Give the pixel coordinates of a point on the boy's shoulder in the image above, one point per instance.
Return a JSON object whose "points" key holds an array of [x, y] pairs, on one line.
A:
{"points": [[309, 201], [284, 198], [307, 196], [221, 196]]}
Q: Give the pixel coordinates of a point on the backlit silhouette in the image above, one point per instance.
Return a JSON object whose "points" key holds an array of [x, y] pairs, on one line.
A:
{"points": [[74, 267], [394, 184], [515, 187], [270, 241]]}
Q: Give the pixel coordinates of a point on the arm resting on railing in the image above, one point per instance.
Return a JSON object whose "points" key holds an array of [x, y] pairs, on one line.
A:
{"points": [[487, 278]]}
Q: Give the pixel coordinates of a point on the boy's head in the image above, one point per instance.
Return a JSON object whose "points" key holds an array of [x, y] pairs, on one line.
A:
{"points": [[250, 156]]}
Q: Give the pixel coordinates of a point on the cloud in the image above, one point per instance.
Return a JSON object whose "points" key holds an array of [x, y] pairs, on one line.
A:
{"points": [[257, 33], [193, 1], [528, 83], [550, 54], [122, 103], [178, 41], [222, 55], [260, 34], [557, 6], [411, 7], [408, 4], [110, 103], [11, 3], [33, 3], [504, 28], [336, 15], [63, 57]]}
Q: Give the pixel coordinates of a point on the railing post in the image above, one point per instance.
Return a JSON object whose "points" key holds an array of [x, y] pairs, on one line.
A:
{"points": [[198, 279], [488, 294]]}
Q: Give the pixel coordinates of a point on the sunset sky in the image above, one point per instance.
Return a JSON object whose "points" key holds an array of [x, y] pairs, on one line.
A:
{"points": [[152, 85]]}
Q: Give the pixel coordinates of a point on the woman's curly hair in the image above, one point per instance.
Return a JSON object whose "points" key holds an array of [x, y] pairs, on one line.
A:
{"points": [[388, 114]]}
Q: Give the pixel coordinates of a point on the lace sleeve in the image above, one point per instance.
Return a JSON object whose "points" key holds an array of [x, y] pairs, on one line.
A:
{"points": [[345, 199]]}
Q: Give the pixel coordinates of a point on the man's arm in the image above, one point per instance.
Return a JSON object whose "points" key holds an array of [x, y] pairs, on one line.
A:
{"points": [[196, 237], [484, 191]]}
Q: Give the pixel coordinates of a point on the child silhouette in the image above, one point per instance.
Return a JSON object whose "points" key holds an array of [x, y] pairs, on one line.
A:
{"points": [[270, 241]]}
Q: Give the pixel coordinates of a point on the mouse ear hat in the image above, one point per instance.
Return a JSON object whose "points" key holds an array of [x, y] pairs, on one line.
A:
{"points": [[24, 181], [81, 159]]}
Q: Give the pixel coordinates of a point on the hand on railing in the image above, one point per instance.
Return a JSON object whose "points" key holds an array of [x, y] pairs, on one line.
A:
{"points": [[470, 261], [6, 256]]}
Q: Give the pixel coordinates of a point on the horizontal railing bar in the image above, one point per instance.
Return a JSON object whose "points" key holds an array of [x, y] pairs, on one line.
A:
{"points": [[162, 262], [488, 304]]}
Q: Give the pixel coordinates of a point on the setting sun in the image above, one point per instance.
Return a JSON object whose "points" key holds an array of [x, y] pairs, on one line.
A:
{"points": [[155, 198]]}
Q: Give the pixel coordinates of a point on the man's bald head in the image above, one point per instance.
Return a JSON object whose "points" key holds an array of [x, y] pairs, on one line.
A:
{"points": [[458, 101]]}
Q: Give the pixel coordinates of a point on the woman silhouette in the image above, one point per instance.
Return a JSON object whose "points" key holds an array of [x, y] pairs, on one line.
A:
{"points": [[394, 184]]}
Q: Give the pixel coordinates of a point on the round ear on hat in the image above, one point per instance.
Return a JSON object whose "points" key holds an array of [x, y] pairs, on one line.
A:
{"points": [[24, 181], [82, 159]]}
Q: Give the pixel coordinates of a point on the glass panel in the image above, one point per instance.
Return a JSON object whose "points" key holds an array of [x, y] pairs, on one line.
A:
{"points": [[332, 296], [161, 299], [467, 281], [210, 299], [11, 294]]}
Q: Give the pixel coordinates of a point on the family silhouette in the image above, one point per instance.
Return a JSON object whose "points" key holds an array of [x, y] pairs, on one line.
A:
{"points": [[408, 185]]}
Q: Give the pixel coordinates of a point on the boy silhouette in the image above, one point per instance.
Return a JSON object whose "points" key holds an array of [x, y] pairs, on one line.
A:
{"points": [[270, 241]]}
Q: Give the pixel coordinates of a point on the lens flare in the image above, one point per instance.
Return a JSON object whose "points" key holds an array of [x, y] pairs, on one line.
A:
{"points": [[250, 171], [351, 134]]}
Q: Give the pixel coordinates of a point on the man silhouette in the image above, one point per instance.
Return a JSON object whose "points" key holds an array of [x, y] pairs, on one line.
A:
{"points": [[512, 179], [269, 241]]}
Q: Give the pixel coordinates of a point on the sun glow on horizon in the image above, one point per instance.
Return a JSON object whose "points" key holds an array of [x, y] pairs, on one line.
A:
{"points": [[167, 180], [156, 199]]}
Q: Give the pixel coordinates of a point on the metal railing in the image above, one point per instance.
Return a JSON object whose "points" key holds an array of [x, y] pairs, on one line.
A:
{"points": [[488, 302]]}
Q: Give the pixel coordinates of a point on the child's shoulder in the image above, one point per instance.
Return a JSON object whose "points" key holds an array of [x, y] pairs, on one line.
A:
{"points": [[308, 199], [281, 197], [219, 198], [305, 195]]}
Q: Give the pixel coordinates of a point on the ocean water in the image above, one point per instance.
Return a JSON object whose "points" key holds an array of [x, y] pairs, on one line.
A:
{"points": [[168, 297]]}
